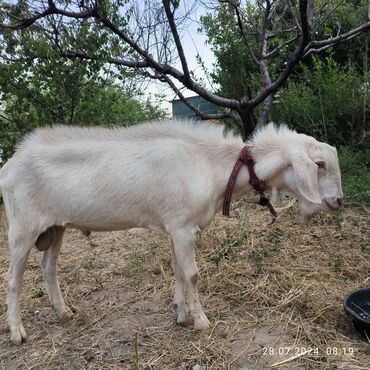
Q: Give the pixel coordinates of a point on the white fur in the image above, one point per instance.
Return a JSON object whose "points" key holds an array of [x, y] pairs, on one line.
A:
{"points": [[168, 176]]}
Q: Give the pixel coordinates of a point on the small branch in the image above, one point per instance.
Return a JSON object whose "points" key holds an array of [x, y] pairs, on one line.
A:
{"points": [[7, 119], [242, 32], [310, 12], [281, 32], [37, 99], [263, 38], [245, 40], [334, 40], [197, 111], [176, 37], [88, 13], [27, 22], [169, 70], [117, 61], [324, 19], [264, 72], [273, 52], [295, 16], [319, 50], [296, 57]]}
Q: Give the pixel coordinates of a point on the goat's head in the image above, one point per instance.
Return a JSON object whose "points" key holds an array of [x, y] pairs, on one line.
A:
{"points": [[302, 166]]}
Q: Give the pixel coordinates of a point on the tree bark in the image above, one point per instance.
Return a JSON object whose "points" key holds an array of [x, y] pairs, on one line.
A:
{"points": [[264, 115]]}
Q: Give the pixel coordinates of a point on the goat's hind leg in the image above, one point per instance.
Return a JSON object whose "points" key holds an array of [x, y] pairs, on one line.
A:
{"points": [[179, 299], [20, 245], [48, 263]]}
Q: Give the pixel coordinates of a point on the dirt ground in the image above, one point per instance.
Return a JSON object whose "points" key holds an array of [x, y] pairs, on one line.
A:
{"points": [[272, 293]]}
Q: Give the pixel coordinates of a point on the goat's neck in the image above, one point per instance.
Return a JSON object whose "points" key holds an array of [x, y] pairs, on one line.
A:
{"points": [[222, 167]]}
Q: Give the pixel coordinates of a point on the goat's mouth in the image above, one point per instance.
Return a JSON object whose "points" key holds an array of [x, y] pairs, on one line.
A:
{"points": [[332, 208]]}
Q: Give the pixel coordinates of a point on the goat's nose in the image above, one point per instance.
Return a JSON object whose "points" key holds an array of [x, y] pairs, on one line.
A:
{"points": [[334, 203]]}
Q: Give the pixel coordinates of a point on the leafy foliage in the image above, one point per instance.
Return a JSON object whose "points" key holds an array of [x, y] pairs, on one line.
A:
{"points": [[233, 69], [39, 86], [98, 103], [347, 14], [311, 101], [329, 101], [355, 174]]}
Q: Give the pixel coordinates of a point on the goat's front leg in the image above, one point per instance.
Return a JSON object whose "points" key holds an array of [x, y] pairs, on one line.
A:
{"points": [[187, 272]]}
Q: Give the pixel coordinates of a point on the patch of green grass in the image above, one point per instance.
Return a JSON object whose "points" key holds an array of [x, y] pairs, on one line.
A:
{"points": [[229, 240]]}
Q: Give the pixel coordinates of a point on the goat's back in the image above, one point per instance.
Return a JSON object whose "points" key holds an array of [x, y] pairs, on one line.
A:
{"points": [[110, 177]]}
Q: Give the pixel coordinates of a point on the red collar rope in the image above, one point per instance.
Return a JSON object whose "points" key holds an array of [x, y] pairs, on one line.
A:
{"points": [[259, 186]]}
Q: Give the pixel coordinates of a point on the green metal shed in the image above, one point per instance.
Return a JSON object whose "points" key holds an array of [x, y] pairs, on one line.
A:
{"points": [[180, 110]]}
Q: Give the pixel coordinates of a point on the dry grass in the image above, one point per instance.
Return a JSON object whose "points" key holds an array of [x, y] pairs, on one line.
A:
{"points": [[262, 287]]}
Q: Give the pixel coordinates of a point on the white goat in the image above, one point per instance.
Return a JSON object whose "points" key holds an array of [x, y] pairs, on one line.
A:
{"points": [[168, 176]]}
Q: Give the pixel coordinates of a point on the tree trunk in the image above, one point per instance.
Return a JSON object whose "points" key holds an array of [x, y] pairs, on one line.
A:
{"points": [[249, 123], [264, 115]]}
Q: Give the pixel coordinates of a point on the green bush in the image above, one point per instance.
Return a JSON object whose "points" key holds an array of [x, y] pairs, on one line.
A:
{"points": [[98, 104], [355, 174], [328, 101]]}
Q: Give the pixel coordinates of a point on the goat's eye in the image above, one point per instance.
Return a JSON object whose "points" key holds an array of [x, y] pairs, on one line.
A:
{"points": [[320, 164]]}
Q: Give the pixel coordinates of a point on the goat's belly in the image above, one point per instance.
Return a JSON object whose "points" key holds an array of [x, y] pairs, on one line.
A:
{"points": [[112, 225], [93, 227]]}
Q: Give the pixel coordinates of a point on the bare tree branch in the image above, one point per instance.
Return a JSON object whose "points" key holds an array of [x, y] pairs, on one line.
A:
{"points": [[296, 57], [310, 12], [197, 111], [292, 9], [280, 32], [27, 22], [327, 16], [242, 31], [274, 51], [117, 61], [175, 34], [167, 69], [264, 72], [335, 40]]}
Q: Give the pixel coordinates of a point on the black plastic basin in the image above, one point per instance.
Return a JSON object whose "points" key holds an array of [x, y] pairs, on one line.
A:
{"points": [[357, 305]]}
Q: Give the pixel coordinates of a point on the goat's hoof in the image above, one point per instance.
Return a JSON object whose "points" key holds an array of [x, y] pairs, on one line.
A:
{"points": [[66, 314], [18, 335], [201, 323], [185, 321]]}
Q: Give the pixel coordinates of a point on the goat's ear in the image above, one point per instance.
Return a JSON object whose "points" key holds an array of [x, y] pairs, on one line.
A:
{"points": [[305, 175]]}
